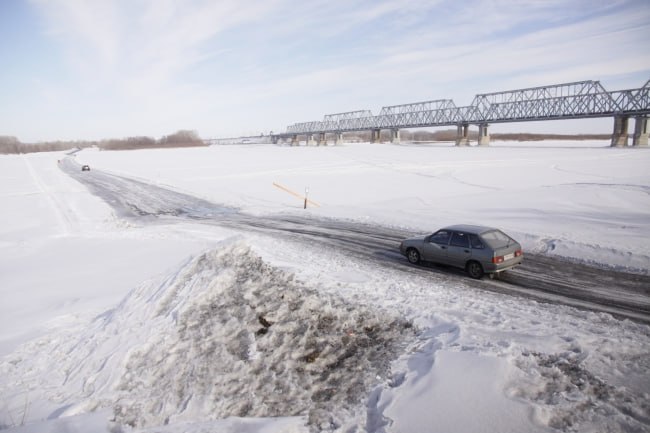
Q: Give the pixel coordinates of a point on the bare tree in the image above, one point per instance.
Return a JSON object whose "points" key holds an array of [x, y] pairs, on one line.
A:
{"points": [[9, 144]]}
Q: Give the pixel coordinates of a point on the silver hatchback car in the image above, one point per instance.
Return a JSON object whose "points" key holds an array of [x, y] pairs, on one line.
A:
{"points": [[479, 250]]}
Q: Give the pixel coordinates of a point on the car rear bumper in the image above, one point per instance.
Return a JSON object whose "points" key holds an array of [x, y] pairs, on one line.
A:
{"points": [[491, 268]]}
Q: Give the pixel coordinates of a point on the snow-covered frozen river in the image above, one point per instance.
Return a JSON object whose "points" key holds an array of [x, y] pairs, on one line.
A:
{"points": [[171, 290], [547, 278]]}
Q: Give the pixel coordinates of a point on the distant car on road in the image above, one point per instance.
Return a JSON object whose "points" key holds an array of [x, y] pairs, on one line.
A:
{"points": [[85, 168], [477, 249]]}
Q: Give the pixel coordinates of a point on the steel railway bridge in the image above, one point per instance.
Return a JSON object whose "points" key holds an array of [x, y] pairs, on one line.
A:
{"points": [[583, 99]]}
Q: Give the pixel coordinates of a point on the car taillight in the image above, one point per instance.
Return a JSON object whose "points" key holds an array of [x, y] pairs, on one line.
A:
{"points": [[497, 259], [518, 253]]}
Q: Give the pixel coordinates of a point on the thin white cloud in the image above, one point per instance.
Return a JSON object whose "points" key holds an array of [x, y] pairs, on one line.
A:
{"points": [[600, 46], [140, 44], [88, 30], [150, 66]]}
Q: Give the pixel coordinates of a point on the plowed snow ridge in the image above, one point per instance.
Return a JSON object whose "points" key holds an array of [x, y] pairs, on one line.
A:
{"points": [[227, 335]]}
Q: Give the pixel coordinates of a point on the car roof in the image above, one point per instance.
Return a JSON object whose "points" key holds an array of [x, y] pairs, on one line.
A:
{"points": [[468, 228]]}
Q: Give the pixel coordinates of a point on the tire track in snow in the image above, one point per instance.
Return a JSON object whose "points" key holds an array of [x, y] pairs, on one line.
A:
{"points": [[64, 215]]}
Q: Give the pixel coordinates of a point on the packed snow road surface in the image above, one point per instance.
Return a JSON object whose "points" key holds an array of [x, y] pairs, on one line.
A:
{"points": [[540, 277]]}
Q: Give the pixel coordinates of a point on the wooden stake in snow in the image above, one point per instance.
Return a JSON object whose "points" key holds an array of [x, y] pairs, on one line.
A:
{"points": [[304, 198]]}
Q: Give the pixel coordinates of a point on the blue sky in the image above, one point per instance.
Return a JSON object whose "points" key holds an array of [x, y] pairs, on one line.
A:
{"points": [[77, 69]]}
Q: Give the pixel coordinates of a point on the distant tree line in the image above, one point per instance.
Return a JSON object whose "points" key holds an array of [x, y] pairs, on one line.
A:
{"points": [[182, 138], [185, 138]]}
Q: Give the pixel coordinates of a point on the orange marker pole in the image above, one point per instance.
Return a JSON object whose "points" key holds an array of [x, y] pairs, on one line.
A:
{"points": [[295, 194]]}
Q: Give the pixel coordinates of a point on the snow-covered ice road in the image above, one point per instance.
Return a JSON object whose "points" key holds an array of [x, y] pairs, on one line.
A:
{"points": [[540, 277]]}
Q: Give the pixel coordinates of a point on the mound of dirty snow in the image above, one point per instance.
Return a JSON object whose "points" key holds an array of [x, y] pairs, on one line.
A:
{"points": [[227, 335]]}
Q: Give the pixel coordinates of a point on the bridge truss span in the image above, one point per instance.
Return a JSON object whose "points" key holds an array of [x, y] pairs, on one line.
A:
{"points": [[561, 101], [440, 111], [581, 99], [344, 121], [636, 101]]}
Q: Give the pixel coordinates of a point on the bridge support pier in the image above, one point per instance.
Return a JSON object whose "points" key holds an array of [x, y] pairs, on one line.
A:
{"points": [[339, 138], [483, 135], [619, 135], [374, 135], [321, 139], [310, 140], [294, 140], [394, 136], [640, 131], [462, 135]]}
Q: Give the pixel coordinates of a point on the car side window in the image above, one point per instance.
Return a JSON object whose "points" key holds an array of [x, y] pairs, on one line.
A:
{"points": [[476, 243], [460, 240], [441, 237]]}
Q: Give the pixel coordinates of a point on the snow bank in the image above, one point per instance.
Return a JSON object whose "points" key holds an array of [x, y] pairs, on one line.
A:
{"points": [[227, 335], [229, 339], [484, 362], [300, 330], [457, 382], [568, 396]]}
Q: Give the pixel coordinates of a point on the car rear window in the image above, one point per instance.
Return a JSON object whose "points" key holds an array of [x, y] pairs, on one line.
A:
{"points": [[496, 239], [476, 241]]}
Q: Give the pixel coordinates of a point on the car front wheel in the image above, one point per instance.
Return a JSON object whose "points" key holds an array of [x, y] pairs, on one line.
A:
{"points": [[474, 270], [413, 256]]}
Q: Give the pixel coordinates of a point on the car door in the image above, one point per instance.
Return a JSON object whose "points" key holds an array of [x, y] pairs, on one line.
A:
{"points": [[458, 251], [435, 247]]}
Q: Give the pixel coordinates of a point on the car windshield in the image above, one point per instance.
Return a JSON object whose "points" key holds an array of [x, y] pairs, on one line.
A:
{"points": [[496, 239]]}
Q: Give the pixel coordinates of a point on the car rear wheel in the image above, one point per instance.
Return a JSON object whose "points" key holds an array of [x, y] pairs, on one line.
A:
{"points": [[413, 256], [474, 270]]}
